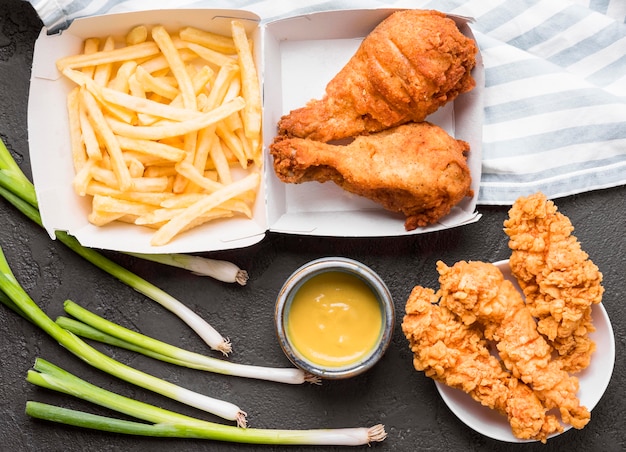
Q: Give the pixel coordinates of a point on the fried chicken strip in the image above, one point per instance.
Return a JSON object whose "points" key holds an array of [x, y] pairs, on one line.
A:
{"points": [[416, 169], [411, 64], [478, 293], [456, 354], [559, 280]]}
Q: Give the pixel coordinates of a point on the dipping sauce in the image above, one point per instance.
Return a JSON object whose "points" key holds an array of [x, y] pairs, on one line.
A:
{"points": [[335, 319]]}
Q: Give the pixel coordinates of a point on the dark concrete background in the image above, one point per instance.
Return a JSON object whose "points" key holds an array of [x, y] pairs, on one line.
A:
{"points": [[392, 393]]}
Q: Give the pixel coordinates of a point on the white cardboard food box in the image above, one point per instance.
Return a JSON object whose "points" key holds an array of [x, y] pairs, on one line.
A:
{"points": [[296, 58]]}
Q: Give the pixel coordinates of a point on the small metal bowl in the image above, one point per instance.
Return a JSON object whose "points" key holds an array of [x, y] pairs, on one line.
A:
{"points": [[354, 268]]}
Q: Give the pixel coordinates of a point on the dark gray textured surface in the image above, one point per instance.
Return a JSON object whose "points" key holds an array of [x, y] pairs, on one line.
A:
{"points": [[392, 393]]}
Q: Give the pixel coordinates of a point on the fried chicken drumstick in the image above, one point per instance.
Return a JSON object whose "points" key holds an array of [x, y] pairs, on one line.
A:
{"points": [[478, 293], [416, 169], [456, 354], [411, 64], [558, 279]]}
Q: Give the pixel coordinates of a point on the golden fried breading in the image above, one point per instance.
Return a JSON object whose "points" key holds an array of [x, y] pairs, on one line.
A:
{"points": [[478, 293], [411, 64], [415, 169], [456, 354], [559, 280]]}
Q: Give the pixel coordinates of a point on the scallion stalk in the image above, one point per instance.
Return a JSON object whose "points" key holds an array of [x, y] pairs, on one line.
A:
{"points": [[113, 334], [19, 191], [221, 270], [11, 287], [168, 423], [321, 437]]}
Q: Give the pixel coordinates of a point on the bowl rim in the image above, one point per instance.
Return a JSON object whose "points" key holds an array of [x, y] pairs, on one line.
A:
{"points": [[328, 264]]}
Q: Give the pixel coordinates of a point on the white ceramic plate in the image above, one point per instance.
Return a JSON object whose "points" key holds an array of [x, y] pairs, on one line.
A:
{"points": [[593, 381]]}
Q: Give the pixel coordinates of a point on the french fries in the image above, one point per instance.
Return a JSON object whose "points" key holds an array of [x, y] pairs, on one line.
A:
{"points": [[165, 127]]}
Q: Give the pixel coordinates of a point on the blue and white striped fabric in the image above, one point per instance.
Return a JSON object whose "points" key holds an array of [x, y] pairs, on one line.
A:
{"points": [[555, 96]]}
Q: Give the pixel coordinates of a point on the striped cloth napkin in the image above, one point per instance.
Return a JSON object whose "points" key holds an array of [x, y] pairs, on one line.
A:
{"points": [[555, 94]]}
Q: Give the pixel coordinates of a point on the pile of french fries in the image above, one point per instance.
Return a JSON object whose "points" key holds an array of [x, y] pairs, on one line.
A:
{"points": [[165, 127]]}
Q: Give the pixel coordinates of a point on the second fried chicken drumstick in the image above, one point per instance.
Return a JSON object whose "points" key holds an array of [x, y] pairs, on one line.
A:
{"points": [[411, 64], [415, 169]]}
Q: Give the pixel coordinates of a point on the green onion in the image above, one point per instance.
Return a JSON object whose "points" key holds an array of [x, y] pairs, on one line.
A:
{"points": [[94, 327], [12, 177], [215, 268], [19, 191], [168, 423], [18, 185], [10, 286]]}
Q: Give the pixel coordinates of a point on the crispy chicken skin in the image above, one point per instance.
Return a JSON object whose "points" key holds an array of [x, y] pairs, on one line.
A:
{"points": [[415, 169], [411, 64], [478, 293], [559, 280], [457, 355]]}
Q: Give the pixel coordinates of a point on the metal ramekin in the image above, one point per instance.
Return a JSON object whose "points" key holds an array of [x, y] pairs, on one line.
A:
{"points": [[314, 268]]}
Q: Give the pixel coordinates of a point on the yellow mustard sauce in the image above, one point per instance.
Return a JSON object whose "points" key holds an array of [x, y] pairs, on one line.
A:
{"points": [[334, 320]]}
